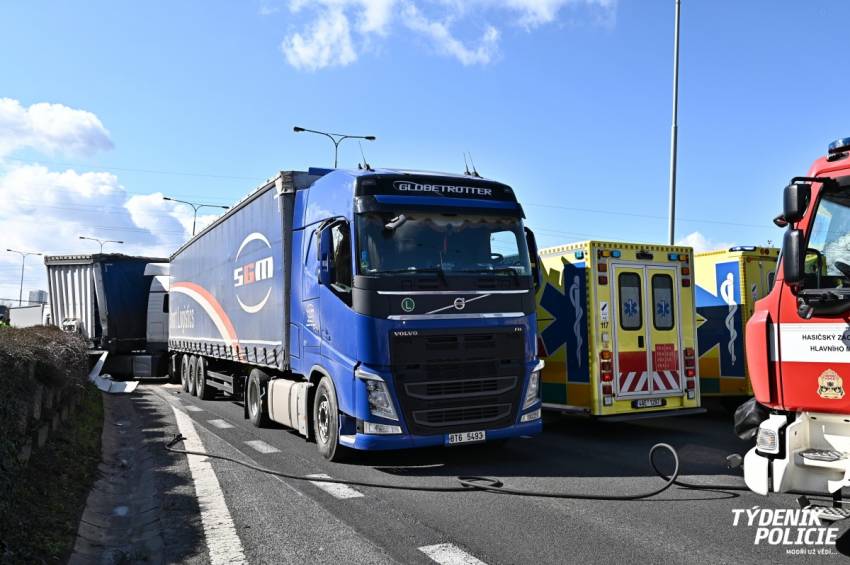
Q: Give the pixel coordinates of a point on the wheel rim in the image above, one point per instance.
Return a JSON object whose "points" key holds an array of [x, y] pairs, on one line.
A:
{"points": [[323, 416]]}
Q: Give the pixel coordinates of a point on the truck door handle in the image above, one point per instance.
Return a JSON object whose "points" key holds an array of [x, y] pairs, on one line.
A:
{"points": [[640, 341]]}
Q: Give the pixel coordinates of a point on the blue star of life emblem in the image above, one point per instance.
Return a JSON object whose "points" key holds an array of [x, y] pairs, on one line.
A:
{"points": [[663, 308], [630, 307]]}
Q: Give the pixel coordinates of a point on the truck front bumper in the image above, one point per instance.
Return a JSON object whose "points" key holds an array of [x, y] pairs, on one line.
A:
{"points": [[405, 441], [793, 467]]}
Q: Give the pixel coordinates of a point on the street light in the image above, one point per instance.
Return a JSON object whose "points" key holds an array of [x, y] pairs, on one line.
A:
{"points": [[674, 131], [336, 138], [101, 241], [195, 207], [23, 255]]}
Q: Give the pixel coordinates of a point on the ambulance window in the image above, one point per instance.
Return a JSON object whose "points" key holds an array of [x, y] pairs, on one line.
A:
{"points": [[630, 301], [662, 302]]}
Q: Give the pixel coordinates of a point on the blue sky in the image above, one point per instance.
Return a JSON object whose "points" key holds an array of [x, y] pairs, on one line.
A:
{"points": [[568, 101]]}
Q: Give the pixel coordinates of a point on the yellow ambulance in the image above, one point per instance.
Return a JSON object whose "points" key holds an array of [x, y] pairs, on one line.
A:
{"points": [[728, 283], [617, 329]]}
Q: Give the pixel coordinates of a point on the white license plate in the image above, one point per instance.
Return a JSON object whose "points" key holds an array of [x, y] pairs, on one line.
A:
{"points": [[649, 402], [466, 437]]}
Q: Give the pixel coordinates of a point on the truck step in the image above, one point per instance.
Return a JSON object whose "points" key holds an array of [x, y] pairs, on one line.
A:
{"points": [[825, 455], [828, 513]]}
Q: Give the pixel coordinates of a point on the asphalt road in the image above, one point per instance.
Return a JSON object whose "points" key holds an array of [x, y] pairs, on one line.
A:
{"points": [[286, 521]]}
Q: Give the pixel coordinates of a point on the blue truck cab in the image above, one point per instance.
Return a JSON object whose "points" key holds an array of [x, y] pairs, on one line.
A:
{"points": [[369, 309]]}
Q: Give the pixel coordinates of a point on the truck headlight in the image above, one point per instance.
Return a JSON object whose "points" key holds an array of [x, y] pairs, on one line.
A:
{"points": [[532, 393], [768, 438], [378, 394]]}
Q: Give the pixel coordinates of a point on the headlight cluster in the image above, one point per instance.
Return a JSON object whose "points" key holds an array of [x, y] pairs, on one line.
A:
{"points": [[532, 393], [380, 402]]}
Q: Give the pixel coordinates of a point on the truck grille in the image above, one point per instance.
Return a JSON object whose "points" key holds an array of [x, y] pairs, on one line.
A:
{"points": [[463, 381]]}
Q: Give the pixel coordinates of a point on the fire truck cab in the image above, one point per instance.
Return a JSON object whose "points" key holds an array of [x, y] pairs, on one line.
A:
{"points": [[798, 342]]}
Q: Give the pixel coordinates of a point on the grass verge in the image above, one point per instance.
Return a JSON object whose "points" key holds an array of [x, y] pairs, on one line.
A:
{"points": [[39, 521]]}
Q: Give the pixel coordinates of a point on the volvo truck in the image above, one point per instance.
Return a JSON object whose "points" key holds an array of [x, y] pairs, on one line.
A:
{"points": [[798, 344], [369, 309]]}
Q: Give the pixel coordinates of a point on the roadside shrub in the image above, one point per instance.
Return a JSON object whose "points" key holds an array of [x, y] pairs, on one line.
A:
{"points": [[60, 364]]}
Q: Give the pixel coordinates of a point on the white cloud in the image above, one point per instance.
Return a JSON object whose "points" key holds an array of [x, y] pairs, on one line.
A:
{"points": [[341, 29], [46, 211], [444, 42], [50, 128], [701, 243]]}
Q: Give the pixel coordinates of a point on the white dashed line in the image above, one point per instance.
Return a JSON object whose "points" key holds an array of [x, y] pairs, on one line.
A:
{"points": [[449, 554], [220, 424], [222, 540], [335, 489], [262, 446], [192, 408]]}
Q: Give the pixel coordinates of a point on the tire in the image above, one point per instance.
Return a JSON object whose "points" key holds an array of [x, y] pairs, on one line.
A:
{"points": [[204, 392], [193, 367], [184, 372], [326, 422], [256, 399]]}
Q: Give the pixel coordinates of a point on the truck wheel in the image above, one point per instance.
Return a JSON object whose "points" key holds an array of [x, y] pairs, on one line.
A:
{"points": [[256, 399], [184, 372], [326, 422], [204, 392], [193, 369]]}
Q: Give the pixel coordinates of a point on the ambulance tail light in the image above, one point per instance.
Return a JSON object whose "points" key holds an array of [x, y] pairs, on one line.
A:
{"points": [[686, 271], [686, 282], [605, 366], [602, 267], [689, 352], [603, 279], [605, 354], [607, 377]]}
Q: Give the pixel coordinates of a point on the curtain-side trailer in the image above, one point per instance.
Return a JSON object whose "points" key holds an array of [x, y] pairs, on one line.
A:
{"points": [[365, 309]]}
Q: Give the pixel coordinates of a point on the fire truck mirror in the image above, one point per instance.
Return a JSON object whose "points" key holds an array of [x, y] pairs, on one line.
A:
{"points": [[795, 201], [793, 259]]}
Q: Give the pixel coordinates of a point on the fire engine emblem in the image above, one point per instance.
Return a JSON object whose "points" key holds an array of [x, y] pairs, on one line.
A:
{"points": [[830, 385]]}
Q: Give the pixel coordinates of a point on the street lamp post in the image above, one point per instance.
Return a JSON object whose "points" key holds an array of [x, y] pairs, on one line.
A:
{"points": [[674, 133], [336, 138], [101, 241], [195, 207], [23, 255]]}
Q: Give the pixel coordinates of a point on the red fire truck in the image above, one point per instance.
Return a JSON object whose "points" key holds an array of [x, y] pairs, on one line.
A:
{"points": [[798, 343]]}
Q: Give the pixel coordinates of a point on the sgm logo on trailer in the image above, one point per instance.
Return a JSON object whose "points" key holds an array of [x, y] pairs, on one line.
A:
{"points": [[251, 271]]}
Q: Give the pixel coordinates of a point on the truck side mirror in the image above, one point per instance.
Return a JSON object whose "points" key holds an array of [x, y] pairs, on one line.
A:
{"points": [[326, 264], [531, 241], [795, 200], [793, 257]]}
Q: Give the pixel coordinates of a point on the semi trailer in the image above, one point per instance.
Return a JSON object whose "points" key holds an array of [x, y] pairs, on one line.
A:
{"points": [[369, 309], [118, 303], [618, 330], [798, 344]]}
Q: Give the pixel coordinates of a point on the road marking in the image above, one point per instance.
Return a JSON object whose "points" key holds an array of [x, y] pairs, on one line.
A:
{"points": [[222, 541], [220, 424], [262, 446], [449, 554], [335, 489], [191, 408]]}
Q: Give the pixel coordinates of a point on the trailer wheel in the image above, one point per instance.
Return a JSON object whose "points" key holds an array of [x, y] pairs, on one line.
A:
{"points": [[256, 399], [204, 392], [193, 369], [184, 372], [326, 422]]}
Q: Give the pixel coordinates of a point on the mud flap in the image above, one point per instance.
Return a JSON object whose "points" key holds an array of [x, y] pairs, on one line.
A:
{"points": [[748, 418]]}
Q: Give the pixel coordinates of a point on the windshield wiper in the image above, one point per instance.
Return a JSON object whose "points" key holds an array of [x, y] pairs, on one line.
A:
{"points": [[493, 270], [823, 301]]}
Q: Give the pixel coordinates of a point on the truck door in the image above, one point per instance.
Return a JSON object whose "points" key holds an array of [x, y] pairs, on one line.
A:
{"points": [[310, 340], [630, 333], [665, 340]]}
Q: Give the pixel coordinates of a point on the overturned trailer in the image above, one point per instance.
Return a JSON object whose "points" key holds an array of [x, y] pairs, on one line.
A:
{"points": [[119, 303]]}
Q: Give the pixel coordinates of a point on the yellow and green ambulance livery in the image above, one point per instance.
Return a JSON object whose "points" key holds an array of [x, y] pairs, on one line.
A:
{"points": [[617, 329], [728, 284]]}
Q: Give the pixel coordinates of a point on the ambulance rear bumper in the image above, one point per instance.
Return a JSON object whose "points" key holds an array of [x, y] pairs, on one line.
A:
{"points": [[793, 468], [654, 414]]}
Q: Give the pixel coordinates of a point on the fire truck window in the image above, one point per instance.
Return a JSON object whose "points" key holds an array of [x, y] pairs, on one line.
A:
{"points": [[631, 317], [662, 302], [829, 241]]}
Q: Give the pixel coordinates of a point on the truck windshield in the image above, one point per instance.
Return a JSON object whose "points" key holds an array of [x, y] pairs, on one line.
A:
{"points": [[446, 243], [829, 242]]}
